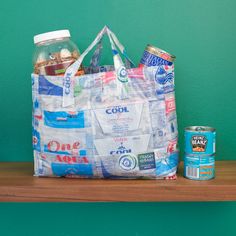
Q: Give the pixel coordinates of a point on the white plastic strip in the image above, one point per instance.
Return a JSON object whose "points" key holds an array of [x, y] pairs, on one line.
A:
{"points": [[68, 83]]}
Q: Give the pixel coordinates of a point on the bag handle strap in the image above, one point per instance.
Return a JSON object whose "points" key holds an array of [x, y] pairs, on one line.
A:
{"points": [[95, 60], [121, 72]]}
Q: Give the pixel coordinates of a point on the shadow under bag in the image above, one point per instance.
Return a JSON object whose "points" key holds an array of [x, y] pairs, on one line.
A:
{"points": [[113, 122]]}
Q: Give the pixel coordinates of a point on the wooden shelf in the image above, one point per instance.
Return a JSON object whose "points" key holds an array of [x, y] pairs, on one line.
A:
{"points": [[17, 184]]}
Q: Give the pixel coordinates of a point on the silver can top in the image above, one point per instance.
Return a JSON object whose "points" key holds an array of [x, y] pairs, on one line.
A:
{"points": [[160, 52], [200, 129]]}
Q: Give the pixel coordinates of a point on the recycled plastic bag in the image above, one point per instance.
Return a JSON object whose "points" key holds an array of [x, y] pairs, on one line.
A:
{"points": [[113, 122]]}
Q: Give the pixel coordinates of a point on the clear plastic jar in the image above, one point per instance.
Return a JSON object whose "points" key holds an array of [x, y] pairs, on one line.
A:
{"points": [[54, 52]]}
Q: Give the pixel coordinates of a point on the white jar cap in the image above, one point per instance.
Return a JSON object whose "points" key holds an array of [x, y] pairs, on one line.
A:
{"points": [[51, 35]]}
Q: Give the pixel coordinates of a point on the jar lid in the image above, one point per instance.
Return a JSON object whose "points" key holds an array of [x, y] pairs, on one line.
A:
{"points": [[51, 35]]}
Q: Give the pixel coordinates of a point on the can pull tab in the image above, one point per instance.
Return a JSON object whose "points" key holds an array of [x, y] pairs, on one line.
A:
{"points": [[199, 128]]}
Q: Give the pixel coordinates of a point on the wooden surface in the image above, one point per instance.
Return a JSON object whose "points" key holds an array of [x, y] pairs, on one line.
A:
{"points": [[17, 184]]}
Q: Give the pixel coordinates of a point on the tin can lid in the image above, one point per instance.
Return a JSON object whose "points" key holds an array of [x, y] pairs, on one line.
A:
{"points": [[160, 52], [200, 129]]}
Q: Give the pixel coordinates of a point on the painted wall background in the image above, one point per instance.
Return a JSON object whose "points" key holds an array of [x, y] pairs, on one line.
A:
{"points": [[202, 34], [118, 219]]}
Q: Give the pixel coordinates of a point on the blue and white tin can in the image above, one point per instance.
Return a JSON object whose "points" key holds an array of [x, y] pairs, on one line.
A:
{"points": [[153, 56], [200, 140], [199, 167]]}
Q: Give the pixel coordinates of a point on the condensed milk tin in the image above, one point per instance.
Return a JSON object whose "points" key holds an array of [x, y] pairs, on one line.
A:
{"points": [[200, 140]]}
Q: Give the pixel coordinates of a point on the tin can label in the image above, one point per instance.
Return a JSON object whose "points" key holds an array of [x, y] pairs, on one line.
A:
{"points": [[149, 59], [199, 167], [199, 142]]}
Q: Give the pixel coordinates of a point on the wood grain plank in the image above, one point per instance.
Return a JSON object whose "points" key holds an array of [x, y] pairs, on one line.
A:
{"points": [[17, 184]]}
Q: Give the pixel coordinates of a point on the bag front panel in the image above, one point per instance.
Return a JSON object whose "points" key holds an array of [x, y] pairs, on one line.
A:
{"points": [[102, 136]]}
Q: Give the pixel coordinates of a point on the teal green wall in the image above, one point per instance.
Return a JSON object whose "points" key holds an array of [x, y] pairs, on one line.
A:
{"points": [[118, 219], [201, 33]]}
